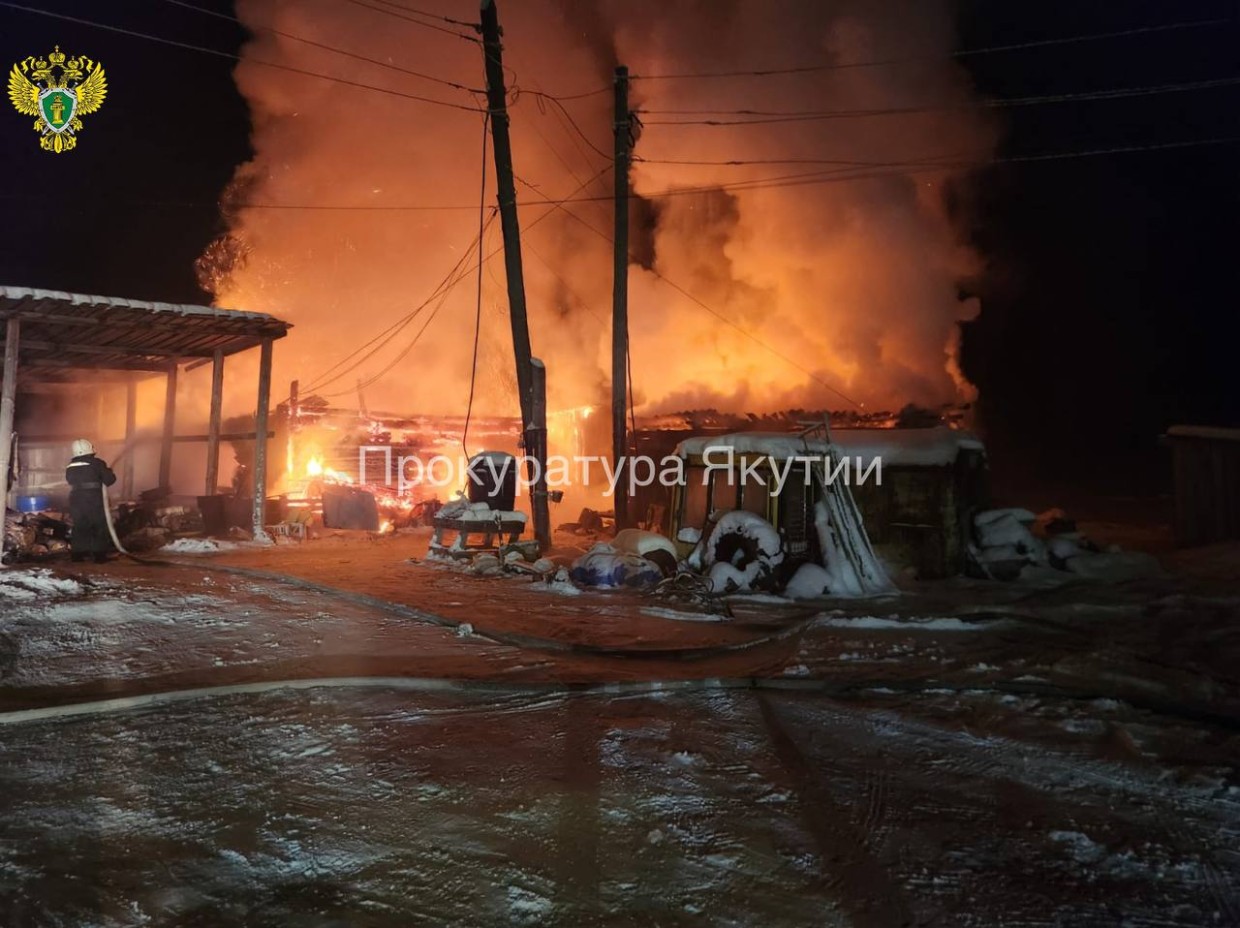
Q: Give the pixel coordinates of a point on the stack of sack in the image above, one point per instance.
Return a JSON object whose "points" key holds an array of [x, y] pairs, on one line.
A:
{"points": [[1003, 543]]}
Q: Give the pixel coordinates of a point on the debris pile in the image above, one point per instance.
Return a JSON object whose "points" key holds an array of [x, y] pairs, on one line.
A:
{"points": [[33, 535]]}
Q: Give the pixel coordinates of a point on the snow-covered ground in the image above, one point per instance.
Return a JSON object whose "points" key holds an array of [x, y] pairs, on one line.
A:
{"points": [[1061, 757]]}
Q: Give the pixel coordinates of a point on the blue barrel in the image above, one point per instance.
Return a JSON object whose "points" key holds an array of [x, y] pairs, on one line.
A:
{"points": [[33, 503]]}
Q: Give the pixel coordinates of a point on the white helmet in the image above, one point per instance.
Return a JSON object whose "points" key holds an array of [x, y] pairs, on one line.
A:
{"points": [[82, 446]]}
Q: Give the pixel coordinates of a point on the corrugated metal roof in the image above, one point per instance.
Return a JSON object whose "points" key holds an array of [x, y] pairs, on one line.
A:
{"points": [[64, 332]]}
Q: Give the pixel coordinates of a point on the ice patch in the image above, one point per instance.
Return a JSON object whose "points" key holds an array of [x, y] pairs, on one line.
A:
{"points": [[526, 907], [940, 624], [677, 616], [1082, 848]]}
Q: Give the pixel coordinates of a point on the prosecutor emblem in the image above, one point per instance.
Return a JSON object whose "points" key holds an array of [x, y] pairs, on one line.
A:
{"points": [[58, 91]]}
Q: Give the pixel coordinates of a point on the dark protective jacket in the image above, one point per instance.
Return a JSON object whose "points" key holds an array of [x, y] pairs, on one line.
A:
{"points": [[87, 475]]}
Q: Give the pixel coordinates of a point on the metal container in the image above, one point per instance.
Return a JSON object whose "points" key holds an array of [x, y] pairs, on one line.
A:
{"points": [[33, 503]]}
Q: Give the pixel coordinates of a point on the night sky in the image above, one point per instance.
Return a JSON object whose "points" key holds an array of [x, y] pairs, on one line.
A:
{"points": [[1109, 305]]}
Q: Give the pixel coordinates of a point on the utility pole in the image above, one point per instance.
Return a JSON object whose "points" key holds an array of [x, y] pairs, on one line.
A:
{"points": [[620, 294], [497, 108]]}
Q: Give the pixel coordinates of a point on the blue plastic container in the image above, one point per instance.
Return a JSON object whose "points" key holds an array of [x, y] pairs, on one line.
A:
{"points": [[33, 503]]}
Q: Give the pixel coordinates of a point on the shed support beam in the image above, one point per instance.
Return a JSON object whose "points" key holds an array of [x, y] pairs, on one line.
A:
{"points": [[131, 422], [260, 441], [8, 403], [170, 424], [213, 423]]}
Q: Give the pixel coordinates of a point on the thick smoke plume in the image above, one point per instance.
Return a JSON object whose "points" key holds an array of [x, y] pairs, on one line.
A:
{"points": [[840, 283]]}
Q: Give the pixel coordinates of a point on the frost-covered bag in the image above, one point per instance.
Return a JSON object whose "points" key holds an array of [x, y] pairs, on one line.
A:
{"points": [[604, 567]]}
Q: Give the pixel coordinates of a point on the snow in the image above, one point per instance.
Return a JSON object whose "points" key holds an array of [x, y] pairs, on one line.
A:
{"points": [[677, 616], [985, 518], [198, 546], [851, 564], [34, 584], [293, 801], [768, 544], [939, 624], [724, 578], [640, 542], [1003, 530], [560, 584], [811, 581], [901, 447], [32, 295]]}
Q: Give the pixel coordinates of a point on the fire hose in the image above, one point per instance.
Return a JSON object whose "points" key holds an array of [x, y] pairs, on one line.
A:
{"points": [[107, 517]]}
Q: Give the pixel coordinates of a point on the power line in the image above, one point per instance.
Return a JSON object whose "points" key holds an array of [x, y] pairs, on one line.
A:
{"points": [[902, 169], [756, 161], [561, 97], [714, 312], [325, 47], [963, 53], [762, 117], [409, 19], [569, 116], [841, 175], [223, 54], [428, 15], [453, 277], [439, 306], [380, 340]]}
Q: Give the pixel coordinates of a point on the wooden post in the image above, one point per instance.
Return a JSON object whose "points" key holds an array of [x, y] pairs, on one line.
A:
{"points": [[290, 451], [213, 423], [131, 424], [536, 447], [260, 441], [8, 404], [170, 425]]}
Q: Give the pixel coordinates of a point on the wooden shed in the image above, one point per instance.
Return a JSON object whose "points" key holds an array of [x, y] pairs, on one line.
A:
{"points": [[1206, 465], [51, 338]]}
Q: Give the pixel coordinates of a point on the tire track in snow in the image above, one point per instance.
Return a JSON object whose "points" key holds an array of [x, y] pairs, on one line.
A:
{"points": [[868, 893]]}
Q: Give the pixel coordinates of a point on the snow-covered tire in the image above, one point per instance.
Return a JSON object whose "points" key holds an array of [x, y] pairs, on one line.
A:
{"points": [[747, 543]]}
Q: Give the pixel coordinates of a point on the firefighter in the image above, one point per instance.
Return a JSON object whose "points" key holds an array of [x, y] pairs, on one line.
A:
{"points": [[87, 476]]}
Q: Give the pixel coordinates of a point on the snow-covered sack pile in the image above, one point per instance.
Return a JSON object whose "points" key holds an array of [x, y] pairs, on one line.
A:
{"points": [[634, 558], [1004, 546], [464, 510]]}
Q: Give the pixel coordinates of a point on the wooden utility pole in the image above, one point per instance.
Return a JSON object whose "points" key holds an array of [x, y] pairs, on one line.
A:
{"points": [[533, 428], [620, 294], [502, 146]]}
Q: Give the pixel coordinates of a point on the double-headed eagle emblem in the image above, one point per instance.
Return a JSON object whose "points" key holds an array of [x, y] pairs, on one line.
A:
{"points": [[58, 91]]}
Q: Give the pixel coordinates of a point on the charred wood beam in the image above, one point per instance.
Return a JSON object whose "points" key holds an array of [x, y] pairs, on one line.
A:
{"points": [[32, 365], [60, 439]]}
